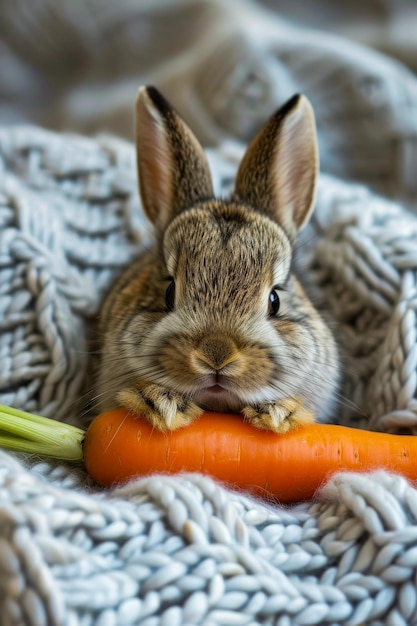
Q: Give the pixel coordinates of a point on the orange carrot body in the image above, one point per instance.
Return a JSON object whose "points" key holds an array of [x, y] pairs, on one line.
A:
{"points": [[119, 446]]}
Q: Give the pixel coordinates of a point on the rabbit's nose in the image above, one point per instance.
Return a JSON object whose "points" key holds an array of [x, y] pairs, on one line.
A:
{"points": [[215, 352]]}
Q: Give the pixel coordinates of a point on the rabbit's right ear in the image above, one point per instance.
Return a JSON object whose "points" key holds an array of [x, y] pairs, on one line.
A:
{"points": [[172, 167], [278, 173]]}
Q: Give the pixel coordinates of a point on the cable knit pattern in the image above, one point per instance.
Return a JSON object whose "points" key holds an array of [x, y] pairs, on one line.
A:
{"points": [[362, 254], [67, 223]]}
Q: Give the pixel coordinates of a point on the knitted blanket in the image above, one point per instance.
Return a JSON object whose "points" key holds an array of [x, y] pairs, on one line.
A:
{"points": [[186, 550]]}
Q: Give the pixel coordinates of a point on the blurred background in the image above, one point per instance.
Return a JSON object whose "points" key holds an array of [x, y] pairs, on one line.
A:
{"points": [[75, 65]]}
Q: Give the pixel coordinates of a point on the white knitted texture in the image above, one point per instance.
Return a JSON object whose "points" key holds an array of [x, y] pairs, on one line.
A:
{"points": [[184, 551], [361, 253], [67, 224], [168, 551]]}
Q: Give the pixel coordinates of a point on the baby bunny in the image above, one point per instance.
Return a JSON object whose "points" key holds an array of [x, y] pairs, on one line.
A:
{"points": [[212, 317]]}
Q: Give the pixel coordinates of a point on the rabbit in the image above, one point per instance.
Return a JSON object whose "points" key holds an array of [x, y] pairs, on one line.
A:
{"points": [[211, 317]]}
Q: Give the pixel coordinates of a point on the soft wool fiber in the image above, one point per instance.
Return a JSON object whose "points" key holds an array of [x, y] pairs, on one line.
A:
{"points": [[167, 551]]}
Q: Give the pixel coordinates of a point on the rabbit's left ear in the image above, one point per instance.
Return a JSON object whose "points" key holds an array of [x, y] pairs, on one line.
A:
{"points": [[172, 168], [278, 173]]}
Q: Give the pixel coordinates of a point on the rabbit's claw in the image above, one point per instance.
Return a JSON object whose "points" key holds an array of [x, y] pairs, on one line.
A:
{"points": [[280, 416], [165, 409]]}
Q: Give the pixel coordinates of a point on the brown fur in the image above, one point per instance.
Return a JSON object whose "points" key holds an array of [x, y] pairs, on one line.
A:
{"points": [[219, 348]]}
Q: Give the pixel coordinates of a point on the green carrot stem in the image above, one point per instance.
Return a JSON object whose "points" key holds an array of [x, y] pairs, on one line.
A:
{"points": [[27, 432]]}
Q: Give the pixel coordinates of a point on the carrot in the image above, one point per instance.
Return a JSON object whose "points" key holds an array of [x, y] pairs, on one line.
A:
{"points": [[119, 446]]}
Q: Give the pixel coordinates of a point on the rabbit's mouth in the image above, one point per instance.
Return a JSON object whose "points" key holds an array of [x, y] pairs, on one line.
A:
{"points": [[215, 397], [215, 383], [216, 389]]}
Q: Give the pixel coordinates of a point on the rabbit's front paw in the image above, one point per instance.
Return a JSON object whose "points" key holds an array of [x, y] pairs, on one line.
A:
{"points": [[165, 409], [280, 416]]}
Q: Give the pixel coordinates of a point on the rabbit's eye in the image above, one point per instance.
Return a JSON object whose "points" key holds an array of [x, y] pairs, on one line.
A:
{"points": [[273, 304], [170, 296]]}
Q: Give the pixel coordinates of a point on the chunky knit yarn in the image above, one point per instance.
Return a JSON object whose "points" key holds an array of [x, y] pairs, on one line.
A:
{"points": [[184, 551]]}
